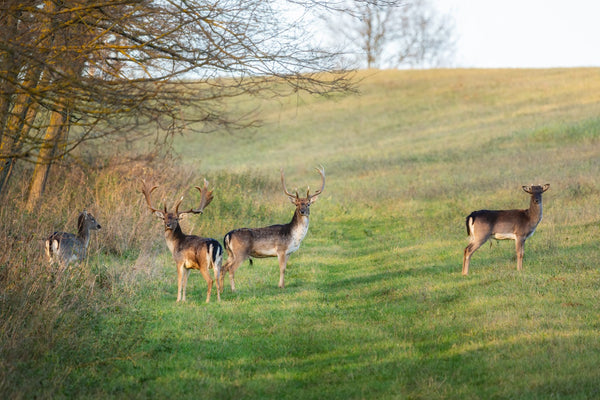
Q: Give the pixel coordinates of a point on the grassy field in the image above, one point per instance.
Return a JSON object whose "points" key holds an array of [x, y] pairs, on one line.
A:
{"points": [[375, 305]]}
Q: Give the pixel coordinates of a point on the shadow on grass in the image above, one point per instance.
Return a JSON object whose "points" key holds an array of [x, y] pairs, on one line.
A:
{"points": [[337, 363]]}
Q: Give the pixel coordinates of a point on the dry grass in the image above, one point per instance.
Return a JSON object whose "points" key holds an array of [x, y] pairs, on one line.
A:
{"points": [[42, 306]]}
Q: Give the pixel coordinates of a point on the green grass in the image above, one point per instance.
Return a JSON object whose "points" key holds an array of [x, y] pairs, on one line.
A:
{"points": [[374, 304]]}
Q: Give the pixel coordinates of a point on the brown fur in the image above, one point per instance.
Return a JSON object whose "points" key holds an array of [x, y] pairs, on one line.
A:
{"points": [[517, 225], [189, 251], [271, 241]]}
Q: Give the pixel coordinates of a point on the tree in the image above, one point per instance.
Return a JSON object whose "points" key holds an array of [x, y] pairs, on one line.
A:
{"points": [[382, 33], [72, 71]]}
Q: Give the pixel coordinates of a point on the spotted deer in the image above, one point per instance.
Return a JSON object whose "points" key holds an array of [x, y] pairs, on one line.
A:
{"points": [[272, 241], [65, 248], [189, 251], [517, 225]]}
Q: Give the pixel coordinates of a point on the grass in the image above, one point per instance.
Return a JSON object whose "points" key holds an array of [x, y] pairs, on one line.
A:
{"points": [[375, 304]]}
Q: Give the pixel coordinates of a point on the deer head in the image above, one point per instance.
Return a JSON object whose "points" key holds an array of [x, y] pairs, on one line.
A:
{"points": [[536, 191]]}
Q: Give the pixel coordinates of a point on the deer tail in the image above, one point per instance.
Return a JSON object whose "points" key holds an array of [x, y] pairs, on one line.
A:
{"points": [[469, 222]]}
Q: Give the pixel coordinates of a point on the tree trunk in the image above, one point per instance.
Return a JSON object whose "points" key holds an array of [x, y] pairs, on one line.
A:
{"points": [[18, 125], [47, 153], [10, 70]]}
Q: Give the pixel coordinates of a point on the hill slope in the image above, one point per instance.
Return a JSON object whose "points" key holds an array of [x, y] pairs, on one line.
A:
{"points": [[406, 161], [375, 305]]}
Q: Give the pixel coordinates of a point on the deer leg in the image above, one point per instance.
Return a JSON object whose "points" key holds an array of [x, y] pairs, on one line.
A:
{"points": [[232, 265], [180, 275], [209, 282], [216, 267], [469, 250], [283, 259], [231, 279], [227, 267], [217, 272], [186, 274], [222, 278], [466, 259], [520, 248]]}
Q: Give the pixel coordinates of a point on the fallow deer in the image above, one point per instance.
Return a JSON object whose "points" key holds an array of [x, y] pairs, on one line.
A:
{"points": [[272, 241], [517, 225], [189, 251], [64, 248]]}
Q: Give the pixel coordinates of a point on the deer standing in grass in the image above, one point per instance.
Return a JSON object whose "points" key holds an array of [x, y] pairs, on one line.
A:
{"points": [[272, 241], [517, 225], [64, 248], [189, 251]]}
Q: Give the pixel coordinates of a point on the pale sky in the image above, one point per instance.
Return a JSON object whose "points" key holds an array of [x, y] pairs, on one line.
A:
{"points": [[525, 33]]}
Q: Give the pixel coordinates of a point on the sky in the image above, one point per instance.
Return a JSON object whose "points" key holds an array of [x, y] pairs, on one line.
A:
{"points": [[525, 33]]}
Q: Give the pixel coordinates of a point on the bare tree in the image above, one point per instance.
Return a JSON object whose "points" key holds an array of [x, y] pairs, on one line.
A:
{"points": [[406, 33], [72, 71]]}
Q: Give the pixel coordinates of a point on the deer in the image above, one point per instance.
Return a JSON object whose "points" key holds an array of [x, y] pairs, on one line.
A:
{"points": [[189, 251], [272, 241], [517, 225], [65, 248]]}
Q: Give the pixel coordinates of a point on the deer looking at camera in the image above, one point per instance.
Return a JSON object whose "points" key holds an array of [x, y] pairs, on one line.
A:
{"points": [[517, 225], [189, 251], [272, 241], [64, 248]]}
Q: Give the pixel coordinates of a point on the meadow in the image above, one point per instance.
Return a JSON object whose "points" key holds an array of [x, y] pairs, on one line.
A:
{"points": [[375, 305]]}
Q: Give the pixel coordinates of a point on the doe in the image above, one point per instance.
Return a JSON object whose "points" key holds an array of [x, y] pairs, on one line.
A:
{"points": [[189, 251], [272, 241], [64, 248], [517, 225]]}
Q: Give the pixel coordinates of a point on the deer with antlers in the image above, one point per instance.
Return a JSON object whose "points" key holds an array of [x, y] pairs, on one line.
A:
{"points": [[272, 241], [189, 251]]}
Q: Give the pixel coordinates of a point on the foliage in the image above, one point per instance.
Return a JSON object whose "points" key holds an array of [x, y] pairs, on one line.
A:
{"points": [[75, 71], [375, 304]]}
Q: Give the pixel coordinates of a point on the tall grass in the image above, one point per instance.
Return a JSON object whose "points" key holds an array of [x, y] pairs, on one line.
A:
{"points": [[375, 304], [45, 309], [47, 312]]}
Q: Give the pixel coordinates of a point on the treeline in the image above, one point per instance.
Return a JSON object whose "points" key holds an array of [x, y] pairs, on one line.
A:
{"points": [[114, 71]]}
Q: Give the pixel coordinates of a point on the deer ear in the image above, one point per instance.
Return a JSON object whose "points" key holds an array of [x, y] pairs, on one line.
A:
{"points": [[181, 216], [545, 187], [159, 214], [527, 189]]}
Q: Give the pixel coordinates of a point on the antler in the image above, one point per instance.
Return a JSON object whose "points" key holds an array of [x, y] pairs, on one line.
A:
{"points": [[295, 196], [206, 197], [308, 195], [147, 191], [318, 192]]}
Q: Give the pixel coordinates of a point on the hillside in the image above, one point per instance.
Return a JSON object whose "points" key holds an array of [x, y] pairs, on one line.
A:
{"points": [[375, 304]]}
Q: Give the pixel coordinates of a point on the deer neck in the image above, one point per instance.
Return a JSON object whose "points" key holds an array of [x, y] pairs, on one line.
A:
{"points": [[298, 229], [535, 210], [173, 237], [535, 215], [83, 234], [299, 221]]}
